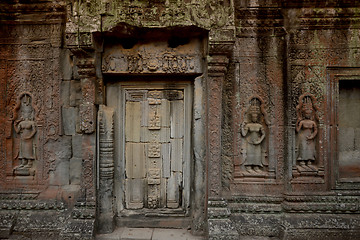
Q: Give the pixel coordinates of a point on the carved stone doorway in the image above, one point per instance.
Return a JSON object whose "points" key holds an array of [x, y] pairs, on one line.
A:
{"points": [[152, 125], [152, 128]]}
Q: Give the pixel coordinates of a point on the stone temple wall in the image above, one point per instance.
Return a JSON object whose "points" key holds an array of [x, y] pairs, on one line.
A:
{"points": [[270, 91]]}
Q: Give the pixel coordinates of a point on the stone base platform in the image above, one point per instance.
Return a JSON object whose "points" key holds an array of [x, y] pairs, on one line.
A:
{"points": [[149, 234]]}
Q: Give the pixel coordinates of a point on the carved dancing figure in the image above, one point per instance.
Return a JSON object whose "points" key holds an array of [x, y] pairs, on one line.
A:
{"points": [[306, 128], [254, 133], [26, 128]]}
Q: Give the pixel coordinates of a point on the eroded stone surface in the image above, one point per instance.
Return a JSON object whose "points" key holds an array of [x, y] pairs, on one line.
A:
{"points": [[234, 122]]}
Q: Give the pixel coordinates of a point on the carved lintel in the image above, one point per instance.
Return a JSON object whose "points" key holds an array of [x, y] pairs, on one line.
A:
{"points": [[143, 62]]}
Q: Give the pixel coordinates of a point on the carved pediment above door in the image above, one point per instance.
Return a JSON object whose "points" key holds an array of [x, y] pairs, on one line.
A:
{"points": [[154, 58]]}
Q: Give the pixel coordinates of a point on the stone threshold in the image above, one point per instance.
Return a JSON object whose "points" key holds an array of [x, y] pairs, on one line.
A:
{"points": [[125, 233]]}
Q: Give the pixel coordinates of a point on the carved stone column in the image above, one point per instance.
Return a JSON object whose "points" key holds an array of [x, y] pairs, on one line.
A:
{"points": [[219, 223], [106, 164], [217, 66]]}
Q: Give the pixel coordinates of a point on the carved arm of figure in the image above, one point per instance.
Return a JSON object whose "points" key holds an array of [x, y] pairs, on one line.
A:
{"points": [[244, 129], [262, 132], [314, 133], [16, 126], [299, 124], [33, 131]]}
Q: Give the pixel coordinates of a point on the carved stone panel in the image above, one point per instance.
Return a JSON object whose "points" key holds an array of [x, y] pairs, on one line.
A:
{"points": [[156, 149], [143, 155], [306, 138], [30, 112], [307, 166], [153, 58], [25, 128], [254, 148]]}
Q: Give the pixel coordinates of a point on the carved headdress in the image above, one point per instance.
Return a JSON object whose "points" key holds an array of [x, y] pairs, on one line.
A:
{"points": [[307, 103], [24, 107], [256, 105]]}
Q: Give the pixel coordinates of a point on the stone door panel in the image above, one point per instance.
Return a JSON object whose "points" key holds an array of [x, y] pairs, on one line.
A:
{"points": [[154, 146]]}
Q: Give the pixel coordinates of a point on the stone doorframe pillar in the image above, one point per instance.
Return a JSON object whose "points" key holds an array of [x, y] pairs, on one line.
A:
{"points": [[106, 169], [84, 212], [217, 68], [219, 224]]}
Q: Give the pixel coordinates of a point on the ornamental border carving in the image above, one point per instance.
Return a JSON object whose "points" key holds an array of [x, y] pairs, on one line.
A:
{"points": [[167, 62]]}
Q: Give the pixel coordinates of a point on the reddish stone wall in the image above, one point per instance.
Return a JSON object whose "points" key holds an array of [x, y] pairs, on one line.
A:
{"points": [[30, 82], [271, 76]]}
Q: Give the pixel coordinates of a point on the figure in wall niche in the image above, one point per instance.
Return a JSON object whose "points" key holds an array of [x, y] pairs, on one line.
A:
{"points": [[254, 133], [306, 129], [25, 128]]}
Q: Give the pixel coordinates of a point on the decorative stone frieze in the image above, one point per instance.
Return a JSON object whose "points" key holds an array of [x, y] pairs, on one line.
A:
{"points": [[152, 59]]}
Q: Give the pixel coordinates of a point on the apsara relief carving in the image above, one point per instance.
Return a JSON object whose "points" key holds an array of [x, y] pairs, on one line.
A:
{"points": [[25, 128], [306, 135], [255, 140]]}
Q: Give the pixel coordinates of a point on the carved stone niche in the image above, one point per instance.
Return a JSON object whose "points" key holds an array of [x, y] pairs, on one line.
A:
{"points": [[344, 116], [23, 165], [306, 163], [25, 128], [254, 131]]}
